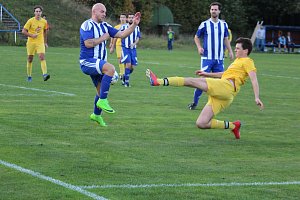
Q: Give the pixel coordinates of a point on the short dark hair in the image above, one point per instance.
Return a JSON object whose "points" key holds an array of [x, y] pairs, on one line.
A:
{"points": [[38, 6], [246, 44], [216, 4]]}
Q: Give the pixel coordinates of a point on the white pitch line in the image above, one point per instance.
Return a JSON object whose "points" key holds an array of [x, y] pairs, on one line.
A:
{"points": [[55, 181], [35, 89], [192, 185], [277, 76]]}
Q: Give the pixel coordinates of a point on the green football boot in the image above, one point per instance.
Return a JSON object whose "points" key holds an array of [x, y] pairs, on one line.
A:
{"points": [[103, 104], [98, 119]]}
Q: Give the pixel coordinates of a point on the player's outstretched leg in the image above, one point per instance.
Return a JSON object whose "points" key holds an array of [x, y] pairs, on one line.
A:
{"points": [[152, 77], [236, 130]]}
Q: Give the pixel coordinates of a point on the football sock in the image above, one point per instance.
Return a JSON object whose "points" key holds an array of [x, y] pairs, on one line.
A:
{"points": [[217, 124], [44, 66], [105, 85], [126, 75], [197, 94], [172, 81], [97, 111], [29, 68], [122, 69]]}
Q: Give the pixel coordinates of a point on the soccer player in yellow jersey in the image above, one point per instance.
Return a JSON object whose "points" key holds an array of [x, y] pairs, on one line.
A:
{"points": [[116, 42], [221, 87], [36, 31]]}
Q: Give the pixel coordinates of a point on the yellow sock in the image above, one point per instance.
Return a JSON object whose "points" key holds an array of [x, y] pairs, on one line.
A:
{"points": [[44, 66], [122, 68], [29, 68], [217, 124], [173, 81]]}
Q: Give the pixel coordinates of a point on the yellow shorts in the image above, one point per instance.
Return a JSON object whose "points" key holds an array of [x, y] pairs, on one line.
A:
{"points": [[33, 48], [119, 51], [220, 94]]}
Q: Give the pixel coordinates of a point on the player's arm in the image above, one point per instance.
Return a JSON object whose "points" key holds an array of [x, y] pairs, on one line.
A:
{"points": [[255, 87], [209, 74], [130, 29], [135, 43], [198, 44], [90, 43], [112, 45], [46, 37], [25, 32], [228, 46]]}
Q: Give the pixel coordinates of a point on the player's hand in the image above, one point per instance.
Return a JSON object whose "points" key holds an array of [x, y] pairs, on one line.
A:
{"points": [[105, 36], [201, 73], [34, 35], [200, 51], [259, 103], [137, 18], [111, 49], [46, 45], [231, 56]]}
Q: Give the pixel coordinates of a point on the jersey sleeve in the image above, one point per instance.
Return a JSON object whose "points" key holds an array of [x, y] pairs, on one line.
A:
{"points": [[200, 30], [27, 25], [111, 30], [138, 32], [226, 34], [249, 66], [86, 31]]}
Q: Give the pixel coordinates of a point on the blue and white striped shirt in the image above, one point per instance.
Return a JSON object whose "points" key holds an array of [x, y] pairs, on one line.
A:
{"points": [[89, 30], [213, 34], [126, 42]]}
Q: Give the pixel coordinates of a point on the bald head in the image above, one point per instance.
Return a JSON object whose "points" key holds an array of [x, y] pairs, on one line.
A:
{"points": [[98, 12]]}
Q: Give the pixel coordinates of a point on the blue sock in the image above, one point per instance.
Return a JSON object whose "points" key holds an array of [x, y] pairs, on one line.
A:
{"points": [[126, 76], [105, 85], [197, 94], [97, 111]]}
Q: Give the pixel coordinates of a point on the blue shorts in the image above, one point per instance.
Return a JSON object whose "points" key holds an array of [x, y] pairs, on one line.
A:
{"points": [[129, 56], [209, 65], [93, 67]]}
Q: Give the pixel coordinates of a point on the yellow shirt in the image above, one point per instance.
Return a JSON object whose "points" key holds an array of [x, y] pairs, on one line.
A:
{"points": [[238, 71], [119, 40], [35, 26]]}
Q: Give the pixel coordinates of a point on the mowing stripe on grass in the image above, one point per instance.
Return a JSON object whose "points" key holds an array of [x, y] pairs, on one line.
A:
{"points": [[55, 181], [35, 89], [192, 185]]}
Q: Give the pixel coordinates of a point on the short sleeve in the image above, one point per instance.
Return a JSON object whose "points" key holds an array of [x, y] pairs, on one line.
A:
{"points": [[249, 66], [86, 31]]}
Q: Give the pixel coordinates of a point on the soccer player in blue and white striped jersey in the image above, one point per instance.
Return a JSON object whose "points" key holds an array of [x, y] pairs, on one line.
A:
{"points": [[93, 56], [214, 34], [129, 54]]}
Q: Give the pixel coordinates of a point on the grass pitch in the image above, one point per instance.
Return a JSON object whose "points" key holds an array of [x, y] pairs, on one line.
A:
{"points": [[151, 148]]}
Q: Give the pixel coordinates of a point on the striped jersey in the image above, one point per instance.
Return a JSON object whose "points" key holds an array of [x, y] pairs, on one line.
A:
{"points": [[213, 34], [89, 30], [126, 42]]}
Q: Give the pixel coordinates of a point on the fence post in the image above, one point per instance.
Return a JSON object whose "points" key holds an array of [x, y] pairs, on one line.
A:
{"points": [[1, 13]]}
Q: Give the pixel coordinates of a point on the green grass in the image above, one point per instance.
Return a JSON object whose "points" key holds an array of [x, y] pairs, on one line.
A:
{"points": [[152, 138]]}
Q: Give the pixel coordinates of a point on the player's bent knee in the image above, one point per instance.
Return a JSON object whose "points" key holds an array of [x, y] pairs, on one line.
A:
{"points": [[201, 125], [108, 69]]}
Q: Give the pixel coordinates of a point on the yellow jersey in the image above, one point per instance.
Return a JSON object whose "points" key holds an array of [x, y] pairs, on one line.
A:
{"points": [[35, 26], [119, 40], [238, 71]]}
